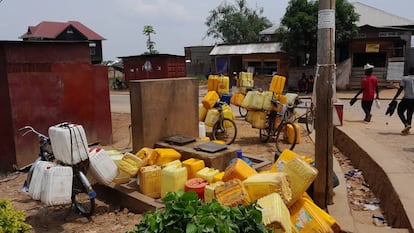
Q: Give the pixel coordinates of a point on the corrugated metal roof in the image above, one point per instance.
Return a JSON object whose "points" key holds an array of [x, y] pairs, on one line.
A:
{"points": [[375, 17], [51, 30], [246, 48], [270, 31]]}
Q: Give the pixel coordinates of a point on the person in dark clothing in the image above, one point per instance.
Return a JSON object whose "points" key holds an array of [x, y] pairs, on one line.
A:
{"points": [[311, 81], [302, 83]]}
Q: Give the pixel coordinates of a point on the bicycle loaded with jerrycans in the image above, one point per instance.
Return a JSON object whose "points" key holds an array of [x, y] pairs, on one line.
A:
{"points": [[82, 193]]}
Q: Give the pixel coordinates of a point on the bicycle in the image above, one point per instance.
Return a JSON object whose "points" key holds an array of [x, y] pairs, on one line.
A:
{"points": [[225, 128], [277, 127], [83, 195], [308, 117]]}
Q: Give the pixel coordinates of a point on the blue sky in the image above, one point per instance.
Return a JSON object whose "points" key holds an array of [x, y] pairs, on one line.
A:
{"points": [[178, 23]]}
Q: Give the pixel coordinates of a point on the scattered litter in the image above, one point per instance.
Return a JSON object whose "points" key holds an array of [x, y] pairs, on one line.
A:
{"points": [[378, 220], [370, 207], [375, 201]]}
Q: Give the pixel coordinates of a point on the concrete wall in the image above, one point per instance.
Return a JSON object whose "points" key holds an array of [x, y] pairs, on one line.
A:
{"points": [[45, 83], [163, 108]]}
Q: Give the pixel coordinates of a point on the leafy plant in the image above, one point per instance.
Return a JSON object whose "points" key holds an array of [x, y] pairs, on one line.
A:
{"points": [[12, 221], [184, 212]]}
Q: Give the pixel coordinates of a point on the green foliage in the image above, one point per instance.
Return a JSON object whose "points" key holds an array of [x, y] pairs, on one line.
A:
{"points": [[11, 221], [185, 213], [298, 30], [148, 30], [236, 23]]}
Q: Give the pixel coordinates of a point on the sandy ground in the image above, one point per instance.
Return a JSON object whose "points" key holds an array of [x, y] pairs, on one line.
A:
{"points": [[110, 218]]}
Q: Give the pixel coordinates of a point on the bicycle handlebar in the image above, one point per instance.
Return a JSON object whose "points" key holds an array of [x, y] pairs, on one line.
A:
{"points": [[29, 129]]}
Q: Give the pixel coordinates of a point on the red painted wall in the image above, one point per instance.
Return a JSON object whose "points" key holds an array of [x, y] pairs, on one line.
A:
{"points": [[45, 83], [163, 66]]}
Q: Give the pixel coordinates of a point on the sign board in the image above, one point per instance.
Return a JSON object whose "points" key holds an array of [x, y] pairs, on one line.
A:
{"points": [[372, 48], [395, 70]]}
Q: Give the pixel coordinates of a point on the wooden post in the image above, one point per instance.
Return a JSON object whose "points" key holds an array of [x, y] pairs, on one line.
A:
{"points": [[324, 105]]}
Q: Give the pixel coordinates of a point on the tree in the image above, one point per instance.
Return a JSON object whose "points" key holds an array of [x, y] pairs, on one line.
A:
{"points": [[148, 30], [236, 23], [299, 26]]}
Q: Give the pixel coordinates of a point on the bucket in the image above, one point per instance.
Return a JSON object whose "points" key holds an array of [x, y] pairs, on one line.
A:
{"points": [[197, 185], [201, 130]]}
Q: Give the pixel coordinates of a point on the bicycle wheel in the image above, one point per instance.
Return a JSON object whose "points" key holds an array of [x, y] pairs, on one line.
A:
{"points": [[310, 120], [242, 111], [225, 130], [82, 198], [286, 137], [267, 132]]}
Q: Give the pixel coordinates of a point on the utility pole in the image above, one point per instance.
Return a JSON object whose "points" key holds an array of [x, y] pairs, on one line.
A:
{"points": [[324, 104]]}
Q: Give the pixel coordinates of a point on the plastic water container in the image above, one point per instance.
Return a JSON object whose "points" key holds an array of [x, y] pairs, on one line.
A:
{"points": [[240, 156], [121, 178], [173, 178], [257, 101], [275, 214], [290, 133], [212, 82], [102, 167], [259, 119], [263, 184], [209, 190], [197, 185], [144, 153], [301, 175], [218, 177], [223, 85], [202, 112], [246, 79], [174, 163], [305, 217], [161, 156], [150, 181], [239, 169], [227, 112], [193, 165], [201, 130], [207, 173], [282, 160], [35, 186], [57, 185], [232, 193], [267, 101], [212, 117], [69, 143], [210, 99], [277, 84]]}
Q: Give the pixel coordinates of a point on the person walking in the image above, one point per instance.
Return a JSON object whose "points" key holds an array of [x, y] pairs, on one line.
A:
{"points": [[405, 108], [369, 87]]}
